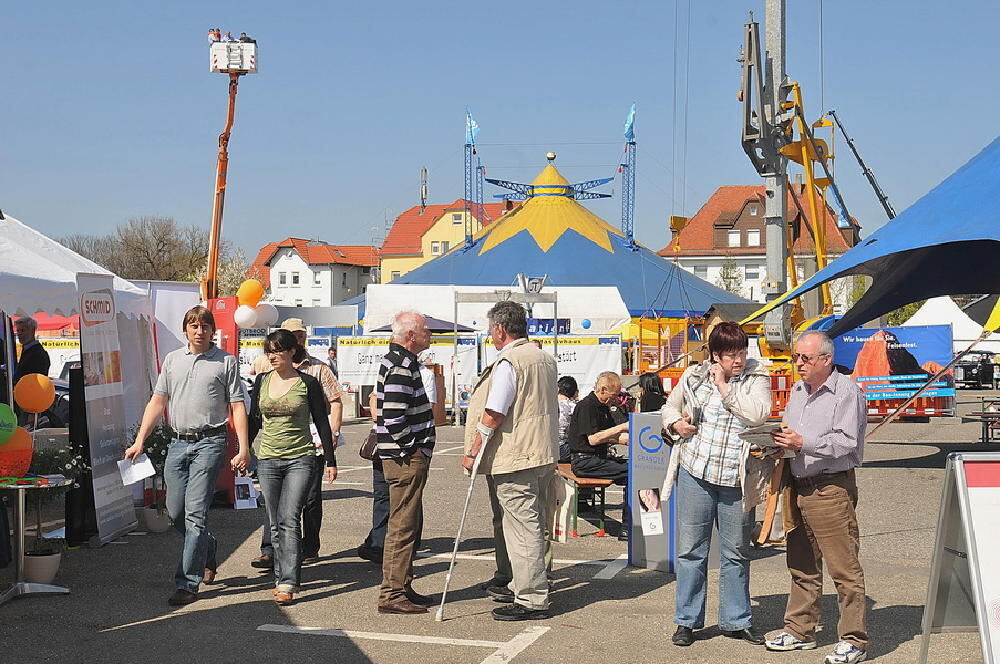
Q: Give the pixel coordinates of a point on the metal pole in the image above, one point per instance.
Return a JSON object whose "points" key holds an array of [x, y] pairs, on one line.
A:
{"points": [[8, 333], [454, 371], [775, 192]]}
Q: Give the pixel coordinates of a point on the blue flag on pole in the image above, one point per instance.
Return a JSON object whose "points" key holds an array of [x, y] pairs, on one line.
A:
{"points": [[630, 125], [471, 128]]}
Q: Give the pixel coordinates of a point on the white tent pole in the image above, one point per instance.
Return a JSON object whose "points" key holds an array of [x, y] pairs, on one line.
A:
{"points": [[8, 335]]}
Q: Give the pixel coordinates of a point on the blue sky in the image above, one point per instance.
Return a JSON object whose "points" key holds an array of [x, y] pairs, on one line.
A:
{"points": [[110, 111]]}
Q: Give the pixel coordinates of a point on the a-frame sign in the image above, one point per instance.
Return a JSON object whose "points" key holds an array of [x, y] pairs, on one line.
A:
{"points": [[964, 590]]}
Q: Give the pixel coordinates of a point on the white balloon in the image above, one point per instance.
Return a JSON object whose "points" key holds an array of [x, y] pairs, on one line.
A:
{"points": [[267, 314], [245, 317]]}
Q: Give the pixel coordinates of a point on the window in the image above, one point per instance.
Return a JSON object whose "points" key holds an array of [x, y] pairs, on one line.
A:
{"points": [[295, 278], [701, 271], [444, 246], [734, 238], [366, 270], [435, 248], [754, 210], [343, 280], [457, 219], [751, 272], [298, 303], [393, 275], [316, 279], [753, 238], [282, 278], [315, 303]]}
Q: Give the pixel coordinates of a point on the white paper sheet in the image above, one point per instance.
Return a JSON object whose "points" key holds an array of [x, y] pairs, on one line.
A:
{"points": [[133, 472]]}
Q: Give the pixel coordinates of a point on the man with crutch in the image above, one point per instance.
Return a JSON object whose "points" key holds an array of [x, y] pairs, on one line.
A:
{"points": [[513, 423]]}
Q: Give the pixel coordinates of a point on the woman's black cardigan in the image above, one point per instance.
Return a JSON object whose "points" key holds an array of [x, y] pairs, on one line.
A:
{"points": [[318, 409]]}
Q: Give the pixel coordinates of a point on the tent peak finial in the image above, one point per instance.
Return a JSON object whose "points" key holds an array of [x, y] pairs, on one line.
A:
{"points": [[550, 156]]}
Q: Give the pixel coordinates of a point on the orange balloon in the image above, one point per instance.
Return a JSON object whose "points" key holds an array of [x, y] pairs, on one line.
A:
{"points": [[15, 456], [250, 293], [34, 393]]}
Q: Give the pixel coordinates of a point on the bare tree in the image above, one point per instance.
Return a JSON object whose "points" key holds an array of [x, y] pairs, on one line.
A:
{"points": [[154, 248], [730, 276]]}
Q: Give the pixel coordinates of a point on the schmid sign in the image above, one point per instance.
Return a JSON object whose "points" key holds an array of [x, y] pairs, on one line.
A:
{"points": [[97, 308]]}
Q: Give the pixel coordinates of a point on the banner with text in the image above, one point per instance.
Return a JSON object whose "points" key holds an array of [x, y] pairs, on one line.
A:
{"points": [[581, 356], [891, 363], [103, 394], [358, 359]]}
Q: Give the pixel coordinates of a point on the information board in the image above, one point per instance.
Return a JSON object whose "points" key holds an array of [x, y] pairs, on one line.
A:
{"points": [[964, 590], [651, 542], [103, 393]]}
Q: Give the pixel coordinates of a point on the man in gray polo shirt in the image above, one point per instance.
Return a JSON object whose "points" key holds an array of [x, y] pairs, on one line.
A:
{"points": [[199, 386]]}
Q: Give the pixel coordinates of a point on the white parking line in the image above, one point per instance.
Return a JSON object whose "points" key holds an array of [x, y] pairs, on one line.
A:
{"points": [[379, 636], [490, 558], [505, 650], [613, 567], [516, 645]]}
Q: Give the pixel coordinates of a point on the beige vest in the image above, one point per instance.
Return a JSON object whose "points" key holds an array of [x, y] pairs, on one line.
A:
{"points": [[529, 435]]}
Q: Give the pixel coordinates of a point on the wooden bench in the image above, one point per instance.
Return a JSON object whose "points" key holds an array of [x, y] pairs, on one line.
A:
{"points": [[598, 486]]}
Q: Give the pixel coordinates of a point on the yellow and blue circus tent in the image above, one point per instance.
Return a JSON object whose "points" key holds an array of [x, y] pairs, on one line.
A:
{"points": [[553, 234]]}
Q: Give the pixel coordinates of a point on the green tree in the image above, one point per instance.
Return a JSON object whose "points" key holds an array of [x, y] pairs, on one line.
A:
{"points": [[731, 276], [903, 314]]}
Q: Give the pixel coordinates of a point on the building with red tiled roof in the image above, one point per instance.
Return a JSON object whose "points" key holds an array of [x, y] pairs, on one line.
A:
{"points": [[312, 273], [730, 226], [423, 233]]}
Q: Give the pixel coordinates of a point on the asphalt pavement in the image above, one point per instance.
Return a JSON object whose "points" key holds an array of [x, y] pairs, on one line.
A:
{"points": [[601, 611]]}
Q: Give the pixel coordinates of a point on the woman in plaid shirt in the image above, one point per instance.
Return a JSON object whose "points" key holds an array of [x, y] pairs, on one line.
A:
{"points": [[718, 481]]}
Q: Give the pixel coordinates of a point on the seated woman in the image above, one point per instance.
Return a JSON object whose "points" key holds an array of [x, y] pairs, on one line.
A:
{"points": [[283, 401], [568, 394], [651, 394]]}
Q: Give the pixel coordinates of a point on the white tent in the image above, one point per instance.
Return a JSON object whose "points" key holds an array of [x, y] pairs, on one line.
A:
{"points": [[964, 330], [39, 274]]}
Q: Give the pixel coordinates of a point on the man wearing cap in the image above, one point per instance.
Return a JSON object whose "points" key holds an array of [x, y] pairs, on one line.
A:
{"points": [[312, 511]]}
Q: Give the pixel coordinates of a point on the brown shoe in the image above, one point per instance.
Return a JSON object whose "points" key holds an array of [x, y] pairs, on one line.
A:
{"points": [[403, 606], [283, 598], [209, 576]]}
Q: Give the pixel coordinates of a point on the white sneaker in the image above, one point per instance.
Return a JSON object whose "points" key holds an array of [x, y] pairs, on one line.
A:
{"points": [[846, 653], [784, 642]]}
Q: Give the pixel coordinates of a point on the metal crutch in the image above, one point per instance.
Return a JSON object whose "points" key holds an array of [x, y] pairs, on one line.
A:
{"points": [[439, 616]]}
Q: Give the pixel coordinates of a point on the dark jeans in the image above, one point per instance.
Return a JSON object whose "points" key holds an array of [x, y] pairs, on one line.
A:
{"points": [[380, 508], [616, 470], [285, 483]]}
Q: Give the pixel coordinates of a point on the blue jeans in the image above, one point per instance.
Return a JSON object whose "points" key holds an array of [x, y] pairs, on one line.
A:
{"points": [[700, 505], [190, 472], [285, 483]]}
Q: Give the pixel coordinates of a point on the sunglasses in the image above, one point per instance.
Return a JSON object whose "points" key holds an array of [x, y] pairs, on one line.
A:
{"points": [[806, 358]]}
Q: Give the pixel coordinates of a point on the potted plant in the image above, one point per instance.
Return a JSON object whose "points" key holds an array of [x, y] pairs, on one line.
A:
{"points": [[42, 558], [154, 511]]}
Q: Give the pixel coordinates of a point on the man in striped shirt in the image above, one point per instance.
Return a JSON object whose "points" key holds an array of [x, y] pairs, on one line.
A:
{"points": [[405, 443]]}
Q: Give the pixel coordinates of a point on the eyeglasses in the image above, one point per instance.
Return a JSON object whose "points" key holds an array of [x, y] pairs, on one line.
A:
{"points": [[806, 358]]}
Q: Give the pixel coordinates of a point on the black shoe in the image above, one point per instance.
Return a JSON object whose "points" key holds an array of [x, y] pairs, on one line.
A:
{"points": [[370, 553], [513, 612], [181, 597], [747, 635], [266, 561], [684, 636], [309, 558], [418, 599], [500, 594]]}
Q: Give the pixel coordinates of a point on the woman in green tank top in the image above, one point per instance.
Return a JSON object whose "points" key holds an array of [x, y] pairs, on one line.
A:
{"points": [[283, 402]]}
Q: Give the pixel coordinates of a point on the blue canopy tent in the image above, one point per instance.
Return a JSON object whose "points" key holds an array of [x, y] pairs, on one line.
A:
{"points": [[947, 243]]}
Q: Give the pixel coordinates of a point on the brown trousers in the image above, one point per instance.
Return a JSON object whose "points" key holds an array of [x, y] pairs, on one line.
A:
{"points": [[829, 531], [406, 479]]}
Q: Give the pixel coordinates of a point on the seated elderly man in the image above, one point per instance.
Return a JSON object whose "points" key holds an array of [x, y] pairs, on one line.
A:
{"points": [[592, 431]]}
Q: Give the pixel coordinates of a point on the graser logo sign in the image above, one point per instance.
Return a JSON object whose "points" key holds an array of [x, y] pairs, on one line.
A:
{"points": [[97, 308]]}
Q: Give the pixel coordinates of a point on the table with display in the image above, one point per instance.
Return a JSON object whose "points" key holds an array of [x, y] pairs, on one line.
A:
{"points": [[20, 586]]}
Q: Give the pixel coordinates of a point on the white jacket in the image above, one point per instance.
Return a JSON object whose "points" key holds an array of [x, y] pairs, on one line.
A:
{"points": [[748, 399]]}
